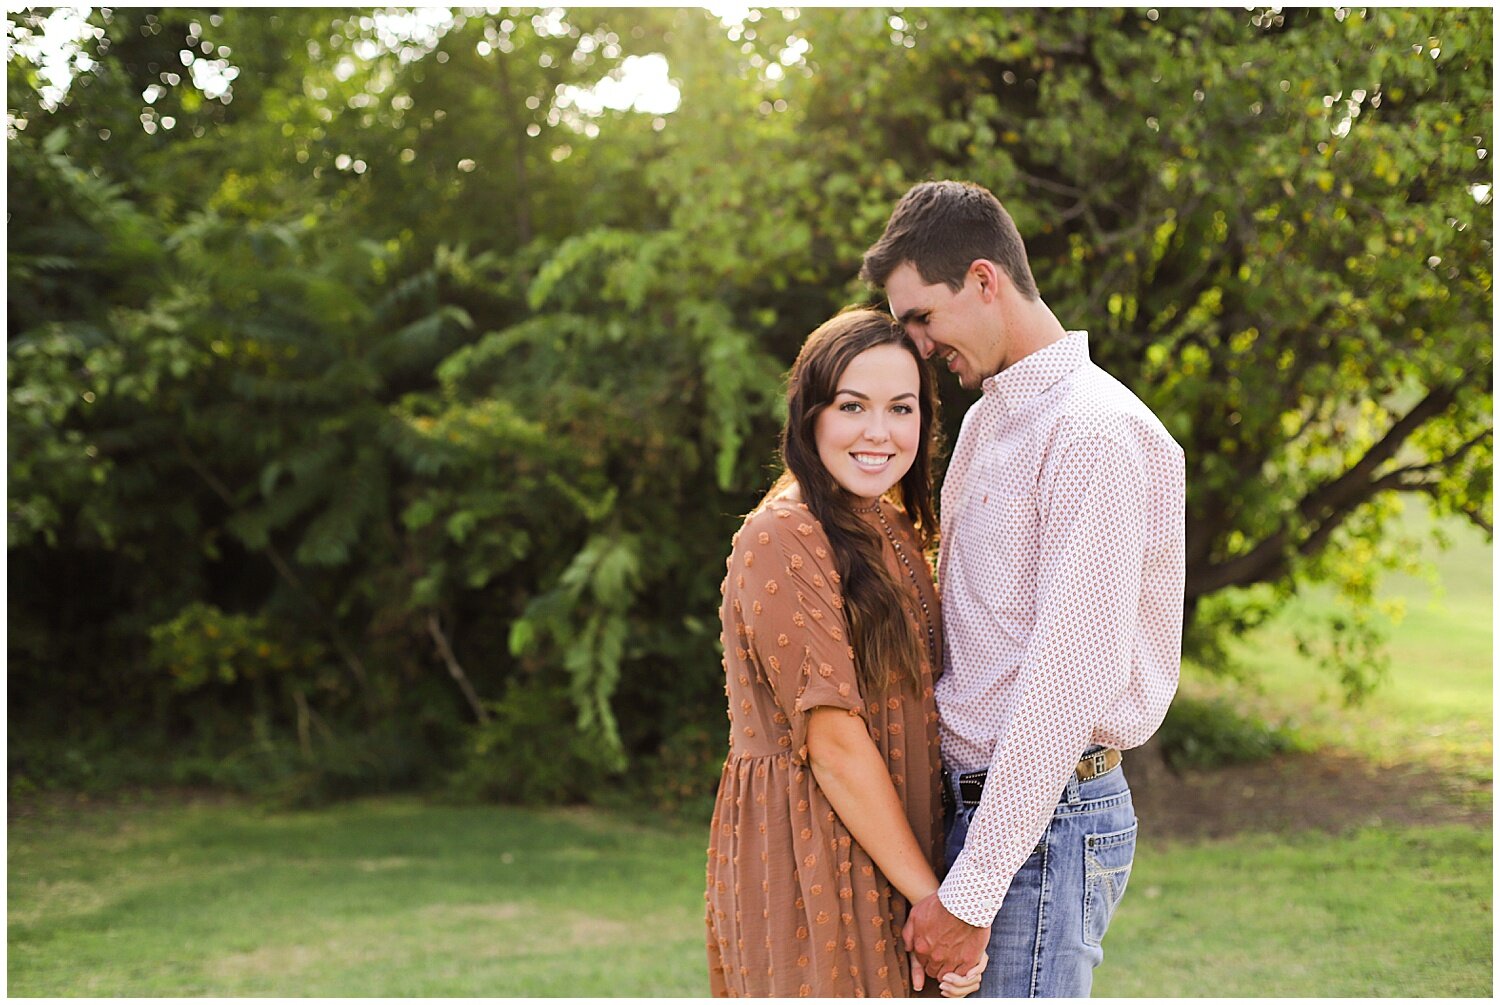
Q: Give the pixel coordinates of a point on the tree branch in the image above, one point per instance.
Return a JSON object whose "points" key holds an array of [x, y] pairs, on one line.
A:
{"points": [[445, 650], [1325, 508], [508, 106], [1353, 485], [284, 569]]}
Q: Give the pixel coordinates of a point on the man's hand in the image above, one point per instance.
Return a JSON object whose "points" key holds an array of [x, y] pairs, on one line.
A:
{"points": [[941, 943]]}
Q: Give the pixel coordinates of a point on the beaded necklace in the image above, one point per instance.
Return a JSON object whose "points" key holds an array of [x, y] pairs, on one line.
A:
{"points": [[911, 573]]}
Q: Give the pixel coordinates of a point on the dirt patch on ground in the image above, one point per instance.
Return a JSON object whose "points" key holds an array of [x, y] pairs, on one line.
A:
{"points": [[1327, 790]]}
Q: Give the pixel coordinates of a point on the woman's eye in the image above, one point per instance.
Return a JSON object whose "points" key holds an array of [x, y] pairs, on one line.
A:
{"points": [[903, 409], [849, 406]]}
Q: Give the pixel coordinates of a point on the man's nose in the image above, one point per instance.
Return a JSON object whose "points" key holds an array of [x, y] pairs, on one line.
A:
{"points": [[923, 343]]}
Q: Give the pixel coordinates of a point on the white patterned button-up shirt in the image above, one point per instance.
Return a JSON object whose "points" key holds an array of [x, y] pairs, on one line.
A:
{"points": [[1061, 571]]}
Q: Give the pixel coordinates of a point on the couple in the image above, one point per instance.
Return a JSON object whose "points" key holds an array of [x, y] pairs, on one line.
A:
{"points": [[1061, 571]]}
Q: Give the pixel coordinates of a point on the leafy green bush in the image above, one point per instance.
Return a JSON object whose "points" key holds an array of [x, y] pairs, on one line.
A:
{"points": [[83, 762], [684, 775], [386, 758], [1208, 734], [532, 752], [203, 645]]}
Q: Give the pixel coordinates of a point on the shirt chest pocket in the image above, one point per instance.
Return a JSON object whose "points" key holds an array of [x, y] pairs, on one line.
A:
{"points": [[1000, 541]]}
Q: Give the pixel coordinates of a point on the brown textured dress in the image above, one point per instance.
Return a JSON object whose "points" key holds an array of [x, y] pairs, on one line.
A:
{"points": [[795, 906]]}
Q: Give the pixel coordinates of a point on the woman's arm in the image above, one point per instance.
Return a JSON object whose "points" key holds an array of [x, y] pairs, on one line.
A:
{"points": [[854, 777]]}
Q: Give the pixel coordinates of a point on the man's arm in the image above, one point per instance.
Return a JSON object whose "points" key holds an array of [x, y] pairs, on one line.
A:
{"points": [[1091, 549]]}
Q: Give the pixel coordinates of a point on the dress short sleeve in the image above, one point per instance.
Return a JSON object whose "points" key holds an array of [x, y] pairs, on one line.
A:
{"points": [[799, 632]]}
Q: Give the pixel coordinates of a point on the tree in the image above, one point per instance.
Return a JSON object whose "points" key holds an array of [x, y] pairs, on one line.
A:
{"points": [[444, 388], [1277, 227]]}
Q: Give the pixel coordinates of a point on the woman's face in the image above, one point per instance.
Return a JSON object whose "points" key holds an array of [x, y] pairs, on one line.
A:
{"points": [[868, 436]]}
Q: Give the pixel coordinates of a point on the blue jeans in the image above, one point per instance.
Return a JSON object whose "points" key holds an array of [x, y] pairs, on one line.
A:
{"points": [[1045, 942]]}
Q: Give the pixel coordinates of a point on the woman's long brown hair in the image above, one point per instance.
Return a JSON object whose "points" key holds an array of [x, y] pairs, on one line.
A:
{"points": [[880, 629]]}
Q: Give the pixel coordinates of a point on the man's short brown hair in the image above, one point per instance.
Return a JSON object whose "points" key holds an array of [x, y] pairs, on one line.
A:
{"points": [[941, 227]]}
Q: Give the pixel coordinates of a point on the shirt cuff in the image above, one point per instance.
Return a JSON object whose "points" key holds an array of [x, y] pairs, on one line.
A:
{"points": [[974, 900]]}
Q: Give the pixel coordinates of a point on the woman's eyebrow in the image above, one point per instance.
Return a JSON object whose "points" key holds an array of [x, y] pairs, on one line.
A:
{"points": [[865, 397]]}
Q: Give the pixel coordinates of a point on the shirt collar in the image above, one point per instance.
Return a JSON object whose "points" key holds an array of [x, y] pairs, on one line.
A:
{"points": [[1028, 377]]}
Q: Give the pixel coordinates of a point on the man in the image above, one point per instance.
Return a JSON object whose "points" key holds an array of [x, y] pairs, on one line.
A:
{"points": [[1061, 570]]}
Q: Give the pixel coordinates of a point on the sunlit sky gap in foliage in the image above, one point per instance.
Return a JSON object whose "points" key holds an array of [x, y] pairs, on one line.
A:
{"points": [[640, 83]]}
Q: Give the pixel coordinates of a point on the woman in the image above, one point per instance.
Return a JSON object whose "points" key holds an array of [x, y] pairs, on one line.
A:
{"points": [[828, 817]]}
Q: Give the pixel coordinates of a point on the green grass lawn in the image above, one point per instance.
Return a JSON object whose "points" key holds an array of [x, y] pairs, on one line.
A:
{"points": [[389, 897], [394, 897], [1388, 912]]}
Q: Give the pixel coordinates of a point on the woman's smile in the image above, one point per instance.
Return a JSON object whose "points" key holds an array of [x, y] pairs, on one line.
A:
{"points": [[872, 461], [868, 435]]}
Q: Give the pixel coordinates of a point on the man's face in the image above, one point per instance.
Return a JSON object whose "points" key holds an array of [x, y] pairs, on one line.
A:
{"points": [[964, 330]]}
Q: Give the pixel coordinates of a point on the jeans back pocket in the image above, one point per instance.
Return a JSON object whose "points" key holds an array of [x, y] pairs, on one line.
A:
{"points": [[1106, 869]]}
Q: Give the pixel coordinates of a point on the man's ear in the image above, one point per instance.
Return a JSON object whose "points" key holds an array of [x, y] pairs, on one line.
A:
{"points": [[989, 277]]}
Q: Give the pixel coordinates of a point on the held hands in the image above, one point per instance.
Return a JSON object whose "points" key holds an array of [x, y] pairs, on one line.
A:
{"points": [[962, 985], [944, 947]]}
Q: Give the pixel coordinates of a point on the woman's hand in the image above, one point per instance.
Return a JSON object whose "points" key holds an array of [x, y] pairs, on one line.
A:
{"points": [[960, 985]]}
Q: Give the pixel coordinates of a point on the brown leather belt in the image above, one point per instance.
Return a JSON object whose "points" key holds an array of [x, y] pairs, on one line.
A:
{"points": [[1096, 763], [1091, 765]]}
